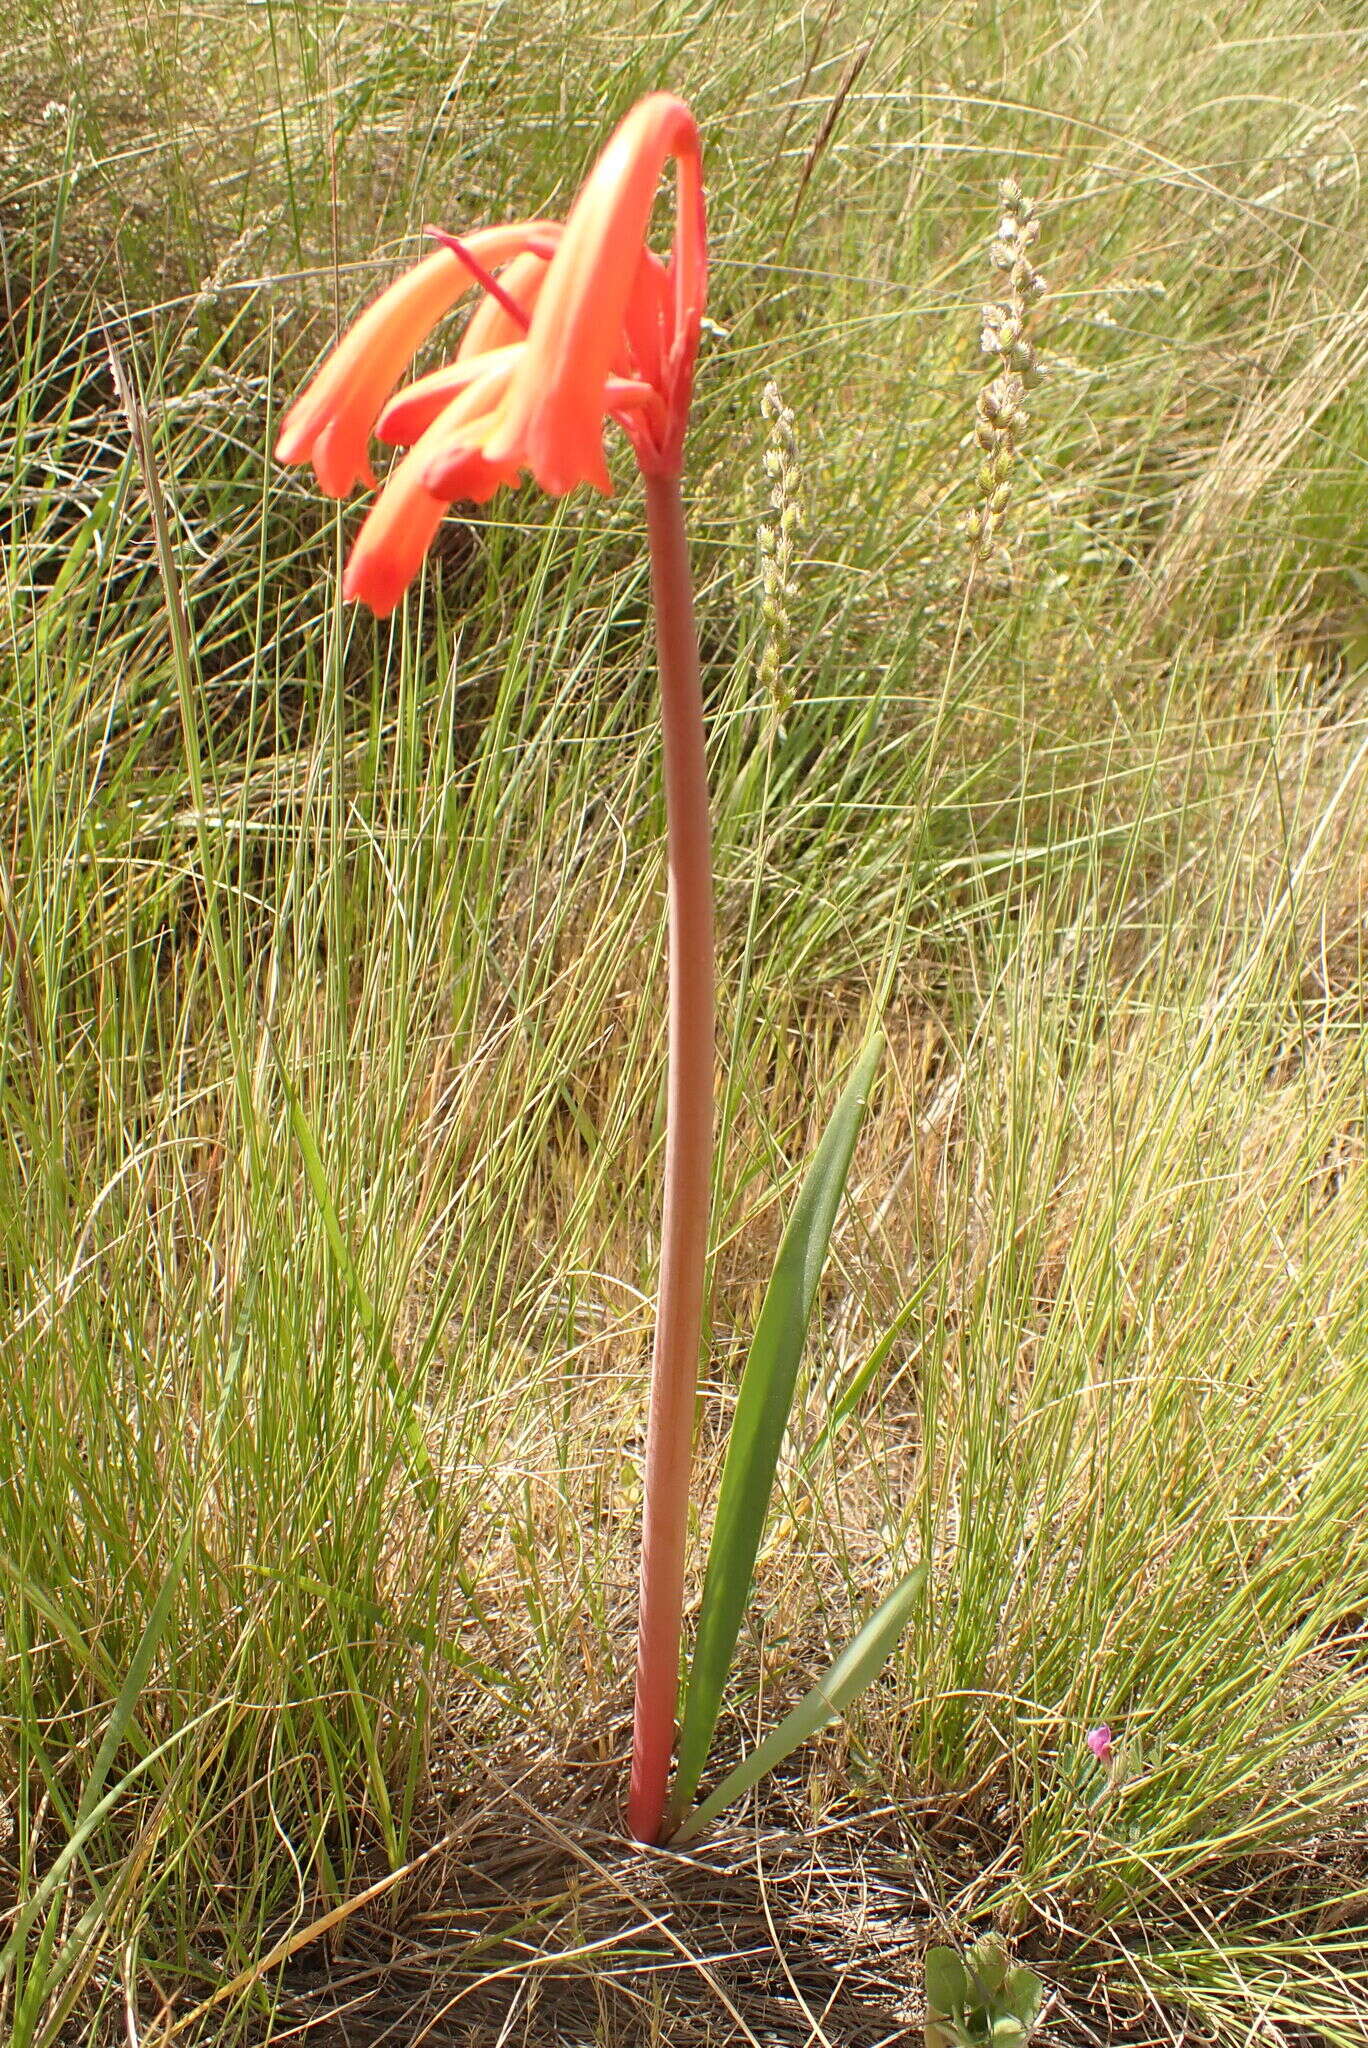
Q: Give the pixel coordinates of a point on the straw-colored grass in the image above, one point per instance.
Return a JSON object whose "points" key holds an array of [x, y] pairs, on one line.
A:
{"points": [[331, 1042]]}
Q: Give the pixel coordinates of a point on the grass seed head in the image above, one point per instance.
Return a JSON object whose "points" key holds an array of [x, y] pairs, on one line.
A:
{"points": [[1000, 416], [778, 537]]}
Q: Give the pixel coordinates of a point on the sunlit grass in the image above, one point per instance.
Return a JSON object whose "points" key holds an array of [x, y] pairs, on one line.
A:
{"points": [[331, 1034]]}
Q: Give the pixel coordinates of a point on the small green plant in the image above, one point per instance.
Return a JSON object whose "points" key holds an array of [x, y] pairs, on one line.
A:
{"points": [[980, 1999]]}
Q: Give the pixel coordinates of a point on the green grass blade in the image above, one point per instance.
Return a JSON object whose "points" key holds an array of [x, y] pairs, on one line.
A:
{"points": [[858, 1665], [846, 1399], [421, 1468], [92, 1812], [762, 1412], [95, 1801]]}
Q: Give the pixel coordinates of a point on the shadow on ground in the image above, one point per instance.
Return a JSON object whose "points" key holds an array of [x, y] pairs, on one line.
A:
{"points": [[538, 1923]]}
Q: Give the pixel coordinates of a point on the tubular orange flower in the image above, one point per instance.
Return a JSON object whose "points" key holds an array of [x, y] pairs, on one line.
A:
{"points": [[599, 326], [551, 418], [399, 529]]}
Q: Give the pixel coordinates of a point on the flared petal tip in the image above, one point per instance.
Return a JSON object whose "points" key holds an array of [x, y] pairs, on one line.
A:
{"points": [[389, 550], [405, 418], [340, 459], [292, 443], [557, 437], [376, 581], [463, 476], [560, 465]]}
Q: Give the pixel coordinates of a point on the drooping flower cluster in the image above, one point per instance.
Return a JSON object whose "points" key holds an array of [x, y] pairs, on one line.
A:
{"points": [[578, 323]]}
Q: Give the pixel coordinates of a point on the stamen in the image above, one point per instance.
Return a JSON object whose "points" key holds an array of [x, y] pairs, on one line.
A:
{"points": [[481, 275]]}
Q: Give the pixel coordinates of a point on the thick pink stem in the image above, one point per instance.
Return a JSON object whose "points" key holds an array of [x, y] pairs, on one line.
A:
{"points": [[688, 1165]]}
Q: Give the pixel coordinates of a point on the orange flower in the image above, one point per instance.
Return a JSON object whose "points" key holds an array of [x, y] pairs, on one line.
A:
{"points": [[401, 525], [331, 422], [585, 324]]}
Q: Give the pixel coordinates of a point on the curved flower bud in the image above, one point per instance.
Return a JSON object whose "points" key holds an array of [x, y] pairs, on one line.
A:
{"points": [[551, 420]]}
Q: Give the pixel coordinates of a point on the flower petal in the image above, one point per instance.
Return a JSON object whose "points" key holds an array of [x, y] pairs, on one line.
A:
{"points": [[400, 526], [398, 531], [647, 318], [412, 411], [330, 423], [552, 416]]}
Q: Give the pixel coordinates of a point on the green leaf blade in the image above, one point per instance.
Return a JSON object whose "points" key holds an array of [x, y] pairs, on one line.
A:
{"points": [[760, 1419], [1024, 1995], [858, 1665]]}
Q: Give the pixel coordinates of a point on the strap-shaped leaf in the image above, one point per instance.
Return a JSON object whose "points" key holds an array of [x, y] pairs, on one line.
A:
{"points": [[760, 1419], [857, 1666]]}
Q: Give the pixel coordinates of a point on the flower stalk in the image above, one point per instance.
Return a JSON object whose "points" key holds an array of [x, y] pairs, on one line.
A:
{"points": [[688, 1165], [1001, 416]]}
